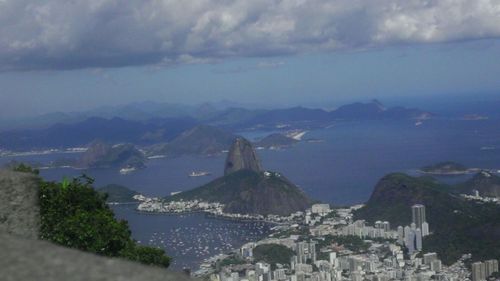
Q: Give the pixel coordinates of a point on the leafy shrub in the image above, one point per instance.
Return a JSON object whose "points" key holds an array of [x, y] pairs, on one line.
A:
{"points": [[74, 215], [273, 253]]}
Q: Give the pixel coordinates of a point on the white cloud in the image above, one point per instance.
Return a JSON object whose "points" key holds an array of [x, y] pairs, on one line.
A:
{"points": [[68, 34]]}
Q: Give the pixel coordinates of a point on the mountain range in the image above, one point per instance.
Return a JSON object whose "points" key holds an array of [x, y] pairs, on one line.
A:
{"points": [[129, 125]]}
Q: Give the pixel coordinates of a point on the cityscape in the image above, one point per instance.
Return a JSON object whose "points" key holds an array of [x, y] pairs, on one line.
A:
{"points": [[250, 140], [391, 254]]}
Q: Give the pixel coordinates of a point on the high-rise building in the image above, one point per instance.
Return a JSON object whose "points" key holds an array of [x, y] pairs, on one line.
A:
{"points": [[491, 266], [333, 259], [425, 229], [401, 235], [235, 276], [279, 274], [430, 257], [418, 239], [418, 215], [436, 265], [306, 251], [478, 271]]}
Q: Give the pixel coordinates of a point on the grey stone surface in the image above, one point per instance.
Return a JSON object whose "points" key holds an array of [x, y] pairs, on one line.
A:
{"points": [[26, 260], [241, 156], [19, 211]]}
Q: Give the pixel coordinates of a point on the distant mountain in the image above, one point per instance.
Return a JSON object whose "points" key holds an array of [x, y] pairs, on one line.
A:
{"points": [[151, 123], [103, 155], [230, 117], [200, 140], [359, 110], [114, 130], [246, 189], [275, 140], [458, 226], [239, 118], [486, 183], [118, 193], [375, 110], [294, 114]]}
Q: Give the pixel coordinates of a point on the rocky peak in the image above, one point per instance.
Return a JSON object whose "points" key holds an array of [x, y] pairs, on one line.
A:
{"points": [[96, 149], [241, 156]]}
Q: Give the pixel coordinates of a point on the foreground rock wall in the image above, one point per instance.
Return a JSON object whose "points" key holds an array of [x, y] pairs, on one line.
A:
{"points": [[19, 211]]}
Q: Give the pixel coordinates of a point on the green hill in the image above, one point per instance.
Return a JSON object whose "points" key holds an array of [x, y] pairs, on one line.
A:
{"points": [[250, 192], [458, 226], [118, 193], [486, 183]]}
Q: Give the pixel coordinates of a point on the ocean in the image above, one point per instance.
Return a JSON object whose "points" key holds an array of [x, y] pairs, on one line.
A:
{"points": [[341, 166]]}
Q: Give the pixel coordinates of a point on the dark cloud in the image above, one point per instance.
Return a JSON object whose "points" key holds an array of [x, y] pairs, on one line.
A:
{"points": [[73, 34]]}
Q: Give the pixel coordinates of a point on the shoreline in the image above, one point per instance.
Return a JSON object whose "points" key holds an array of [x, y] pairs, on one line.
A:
{"points": [[451, 173], [226, 217]]}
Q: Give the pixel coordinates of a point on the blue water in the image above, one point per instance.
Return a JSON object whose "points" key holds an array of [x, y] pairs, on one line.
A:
{"points": [[341, 170], [190, 238]]}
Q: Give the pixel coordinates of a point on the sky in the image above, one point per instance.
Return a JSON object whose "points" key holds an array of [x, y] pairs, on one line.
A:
{"points": [[68, 55]]}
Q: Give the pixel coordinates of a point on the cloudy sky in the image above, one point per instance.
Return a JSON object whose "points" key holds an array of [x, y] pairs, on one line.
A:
{"points": [[76, 54]]}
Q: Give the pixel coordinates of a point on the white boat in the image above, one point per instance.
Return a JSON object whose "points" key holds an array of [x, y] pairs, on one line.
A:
{"points": [[199, 174], [127, 170]]}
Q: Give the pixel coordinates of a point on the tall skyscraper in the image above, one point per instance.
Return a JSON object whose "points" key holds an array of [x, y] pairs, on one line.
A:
{"points": [[418, 215], [418, 239], [401, 235]]}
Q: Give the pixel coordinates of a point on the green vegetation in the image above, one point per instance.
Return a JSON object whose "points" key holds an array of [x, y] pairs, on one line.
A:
{"points": [[488, 184], [23, 168], [273, 254], [74, 215], [233, 259], [333, 214], [117, 193], [353, 243], [458, 226]]}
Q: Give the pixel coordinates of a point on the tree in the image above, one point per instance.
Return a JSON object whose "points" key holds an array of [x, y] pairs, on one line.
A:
{"points": [[74, 215]]}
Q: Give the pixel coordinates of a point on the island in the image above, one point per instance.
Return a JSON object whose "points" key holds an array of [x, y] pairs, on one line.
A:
{"points": [[276, 141], [446, 168]]}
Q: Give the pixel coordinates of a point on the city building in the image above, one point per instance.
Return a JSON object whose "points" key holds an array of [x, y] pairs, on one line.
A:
{"points": [[418, 215]]}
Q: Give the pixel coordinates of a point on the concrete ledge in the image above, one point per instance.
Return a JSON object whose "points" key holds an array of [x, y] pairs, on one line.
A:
{"points": [[25, 259]]}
